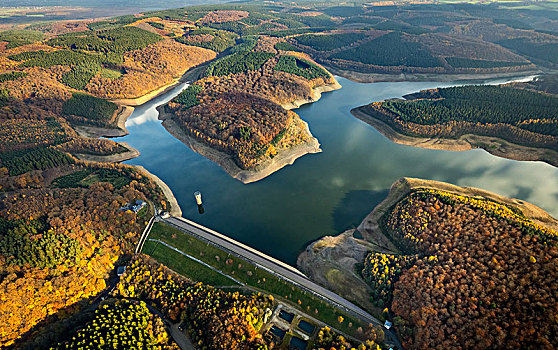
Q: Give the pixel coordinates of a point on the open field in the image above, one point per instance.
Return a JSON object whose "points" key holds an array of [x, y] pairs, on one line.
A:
{"points": [[186, 266]]}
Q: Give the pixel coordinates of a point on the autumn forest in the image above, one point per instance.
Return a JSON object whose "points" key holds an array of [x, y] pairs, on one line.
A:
{"points": [[444, 269]]}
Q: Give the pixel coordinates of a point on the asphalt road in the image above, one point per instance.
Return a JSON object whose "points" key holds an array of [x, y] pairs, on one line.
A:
{"points": [[277, 268], [180, 338]]}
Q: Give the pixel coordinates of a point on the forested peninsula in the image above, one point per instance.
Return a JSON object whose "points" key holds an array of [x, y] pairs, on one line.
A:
{"points": [[516, 121], [448, 265], [238, 113]]}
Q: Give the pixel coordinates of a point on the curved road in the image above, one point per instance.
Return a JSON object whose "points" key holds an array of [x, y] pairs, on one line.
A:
{"points": [[275, 267]]}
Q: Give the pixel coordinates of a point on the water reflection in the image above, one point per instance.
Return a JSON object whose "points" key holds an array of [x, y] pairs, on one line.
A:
{"points": [[201, 209], [147, 112], [324, 193], [354, 206]]}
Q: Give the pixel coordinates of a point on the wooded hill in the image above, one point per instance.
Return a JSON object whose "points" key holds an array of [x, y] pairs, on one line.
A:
{"points": [[61, 239], [473, 273], [520, 116], [447, 38], [236, 107]]}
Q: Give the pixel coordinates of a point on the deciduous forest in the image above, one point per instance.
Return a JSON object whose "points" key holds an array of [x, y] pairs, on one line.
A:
{"points": [[218, 319], [236, 107], [471, 272], [474, 273], [60, 244], [121, 324]]}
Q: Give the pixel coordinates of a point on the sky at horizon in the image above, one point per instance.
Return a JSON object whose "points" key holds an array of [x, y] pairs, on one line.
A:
{"points": [[86, 9], [140, 4]]}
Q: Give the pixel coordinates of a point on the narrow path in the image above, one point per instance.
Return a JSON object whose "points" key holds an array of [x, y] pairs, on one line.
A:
{"points": [[181, 339], [144, 234]]}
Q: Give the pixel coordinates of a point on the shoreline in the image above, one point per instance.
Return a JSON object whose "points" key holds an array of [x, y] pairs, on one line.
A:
{"points": [[493, 145], [126, 108], [122, 114], [269, 166], [370, 229], [174, 209], [316, 95], [331, 260], [131, 153], [226, 162], [138, 101], [191, 73], [417, 77]]}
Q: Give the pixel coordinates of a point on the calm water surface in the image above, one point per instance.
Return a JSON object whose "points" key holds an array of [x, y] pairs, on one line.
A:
{"points": [[325, 193]]}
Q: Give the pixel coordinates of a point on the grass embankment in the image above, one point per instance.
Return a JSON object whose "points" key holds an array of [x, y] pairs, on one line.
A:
{"points": [[242, 271], [185, 265]]}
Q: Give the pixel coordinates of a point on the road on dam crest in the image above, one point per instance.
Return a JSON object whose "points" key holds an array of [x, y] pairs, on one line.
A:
{"points": [[276, 267]]}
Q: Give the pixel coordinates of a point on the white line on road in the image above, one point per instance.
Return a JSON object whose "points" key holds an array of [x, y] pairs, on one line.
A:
{"points": [[243, 246], [273, 266]]}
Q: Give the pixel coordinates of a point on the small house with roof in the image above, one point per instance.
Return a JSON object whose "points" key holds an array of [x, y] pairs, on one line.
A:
{"points": [[135, 207]]}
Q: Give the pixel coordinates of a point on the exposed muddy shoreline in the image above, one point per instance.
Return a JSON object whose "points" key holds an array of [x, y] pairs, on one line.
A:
{"points": [[491, 144], [331, 261], [410, 77], [316, 95], [225, 161]]}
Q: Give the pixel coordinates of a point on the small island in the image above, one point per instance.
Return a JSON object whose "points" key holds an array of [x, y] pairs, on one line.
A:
{"points": [[514, 121], [238, 113], [452, 265]]}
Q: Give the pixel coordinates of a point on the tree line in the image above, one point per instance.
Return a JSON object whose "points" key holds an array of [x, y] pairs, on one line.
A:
{"points": [[328, 42], [300, 67], [49, 250], [121, 324], [117, 40], [391, 49], [4, 77], [91, 109], [521, 108], [216, 40], [237, 63], [188, 97], [21, 161]]}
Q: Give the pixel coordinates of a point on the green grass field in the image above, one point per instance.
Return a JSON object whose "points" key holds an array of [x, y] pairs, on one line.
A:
{"points": [[110, 73], [186, 266], [240, 270]]}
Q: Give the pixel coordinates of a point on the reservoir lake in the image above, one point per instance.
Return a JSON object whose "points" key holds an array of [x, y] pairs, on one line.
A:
{"points": [[329, 192]]}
